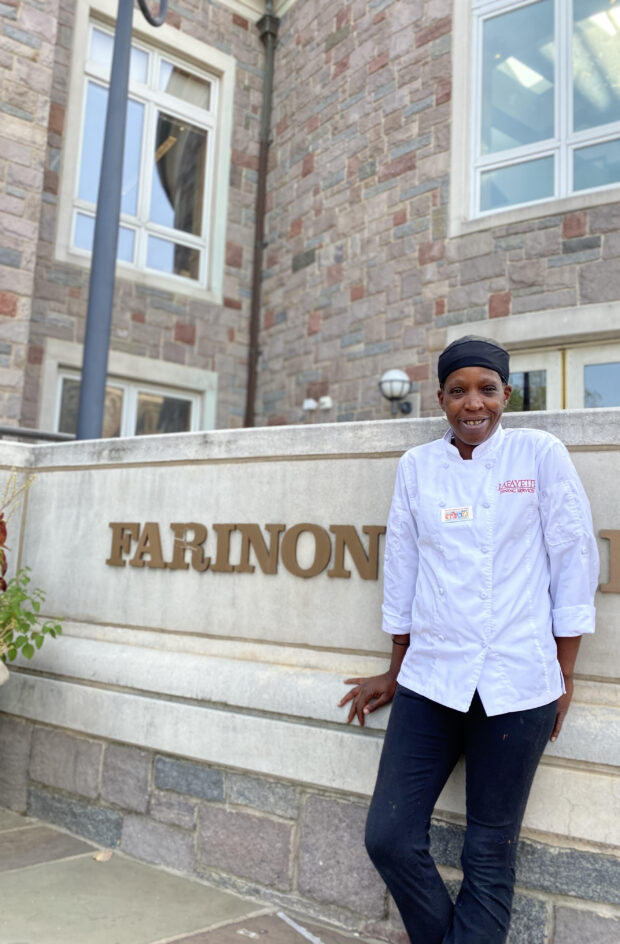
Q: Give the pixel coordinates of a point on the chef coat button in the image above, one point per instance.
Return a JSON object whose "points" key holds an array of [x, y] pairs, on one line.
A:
{"points": [[483, 595], [441, 591], [486, 504], [484, 549], [584, 550], [489, 465], [442, 504], [445, 465]]}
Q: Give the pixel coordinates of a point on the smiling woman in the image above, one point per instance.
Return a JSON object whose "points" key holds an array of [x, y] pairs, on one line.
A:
{"points": [[489, 579]]}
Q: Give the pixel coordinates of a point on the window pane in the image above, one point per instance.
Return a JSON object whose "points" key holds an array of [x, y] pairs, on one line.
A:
{"points": [[69, 403], [518, 77], [171, 257], [520, 183], [85, 233], [596, 53], [178, 177], [601, 384], [181, 84], [92, 148], [159, 414], [596, 165], [101, 49], [529, 391]]}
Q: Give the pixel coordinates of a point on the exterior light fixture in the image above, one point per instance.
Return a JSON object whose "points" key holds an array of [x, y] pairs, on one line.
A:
{"points": [[395, 385]]}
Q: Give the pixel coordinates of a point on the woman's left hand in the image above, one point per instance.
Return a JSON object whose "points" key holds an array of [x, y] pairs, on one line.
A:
{"points": [[563, 704]]}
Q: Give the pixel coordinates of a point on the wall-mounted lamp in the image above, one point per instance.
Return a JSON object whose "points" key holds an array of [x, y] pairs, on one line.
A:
{"points": [[395, 385]]}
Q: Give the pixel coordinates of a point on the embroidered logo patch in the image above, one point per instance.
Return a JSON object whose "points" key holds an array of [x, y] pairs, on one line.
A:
{"points": [[466, 513], [517, 485]]}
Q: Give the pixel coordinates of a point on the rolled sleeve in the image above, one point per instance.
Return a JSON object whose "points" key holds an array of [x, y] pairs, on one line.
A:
{"points": [[401, 559], [570, 543]]}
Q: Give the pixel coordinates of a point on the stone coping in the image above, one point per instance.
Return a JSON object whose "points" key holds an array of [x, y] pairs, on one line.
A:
{"points": [[374, 438]]}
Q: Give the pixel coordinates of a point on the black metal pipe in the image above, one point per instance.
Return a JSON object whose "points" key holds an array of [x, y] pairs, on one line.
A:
{"points": [[268, 30]]}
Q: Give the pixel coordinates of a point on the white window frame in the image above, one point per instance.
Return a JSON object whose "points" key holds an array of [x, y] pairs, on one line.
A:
{"points": [[154, 101], [466, 167], [64, 358], [579, 357], [549, 361], [559, 341], [131, 390], [190, 54]]}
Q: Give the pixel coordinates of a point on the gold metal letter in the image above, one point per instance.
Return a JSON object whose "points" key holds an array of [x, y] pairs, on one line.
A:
{"points": [[251, 536], [347, 536], [149, 543], [322, 550], [122, 534], [221, 564], [199, 561], [614, 562]]}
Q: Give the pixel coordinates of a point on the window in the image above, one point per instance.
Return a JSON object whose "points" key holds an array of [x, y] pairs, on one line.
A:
{"points": [[130, 408], [144, 396], [174, 212], [169, 144], [594, 376], [546, 84], [536, 380]]}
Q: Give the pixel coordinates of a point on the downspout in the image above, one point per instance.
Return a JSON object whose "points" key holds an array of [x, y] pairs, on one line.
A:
{"points": [[268, 29]]}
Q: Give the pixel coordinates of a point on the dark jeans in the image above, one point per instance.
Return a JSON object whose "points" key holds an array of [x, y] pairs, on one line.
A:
{"points": [[422, 744]]}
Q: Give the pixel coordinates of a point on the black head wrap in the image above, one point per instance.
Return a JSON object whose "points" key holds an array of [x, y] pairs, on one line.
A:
{"points": [[472, 351]]}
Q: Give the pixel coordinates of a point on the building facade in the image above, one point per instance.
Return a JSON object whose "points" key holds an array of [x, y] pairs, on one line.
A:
{"points": [[436, 168]]}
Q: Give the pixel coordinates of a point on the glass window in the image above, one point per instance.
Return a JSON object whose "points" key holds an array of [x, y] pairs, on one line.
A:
{"points": [[529, 391], [601, 383], [547, 100], [130, 409], [69, 404], [166, 163], [160, 414], [517, 183], [178, 177], [518, 77]]}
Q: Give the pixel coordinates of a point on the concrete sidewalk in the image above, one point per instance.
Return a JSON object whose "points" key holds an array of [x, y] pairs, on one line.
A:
{"points": [[58, 889]]}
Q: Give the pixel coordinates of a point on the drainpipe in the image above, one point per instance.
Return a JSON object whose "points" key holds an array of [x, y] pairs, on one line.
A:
{"points": [[268, 29]]}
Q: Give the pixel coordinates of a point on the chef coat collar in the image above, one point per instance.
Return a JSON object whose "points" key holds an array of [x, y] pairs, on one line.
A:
{"points": [[485, 450]]}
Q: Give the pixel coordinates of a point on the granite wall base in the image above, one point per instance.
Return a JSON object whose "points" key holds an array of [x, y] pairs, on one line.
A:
{"points": [[280, 842]]}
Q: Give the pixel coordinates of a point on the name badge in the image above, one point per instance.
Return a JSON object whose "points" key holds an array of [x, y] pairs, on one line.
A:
{"points": [[465, 513]]}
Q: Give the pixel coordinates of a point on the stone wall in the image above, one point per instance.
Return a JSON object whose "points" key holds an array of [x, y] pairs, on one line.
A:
{"points": [[275, 840], [192, 714], [361, 272], [27, 62]]}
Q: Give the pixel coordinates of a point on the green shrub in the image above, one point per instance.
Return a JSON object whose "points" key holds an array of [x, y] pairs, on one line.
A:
{"points": [[20, 628]]}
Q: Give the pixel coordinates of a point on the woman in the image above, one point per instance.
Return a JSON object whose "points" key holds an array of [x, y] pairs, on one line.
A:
{"points": [[490, 572]]}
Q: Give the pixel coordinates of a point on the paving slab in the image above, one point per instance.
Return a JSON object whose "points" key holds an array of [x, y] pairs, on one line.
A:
{"points": [[23, 847], [10, 820], [269, 929], [115, 902]]}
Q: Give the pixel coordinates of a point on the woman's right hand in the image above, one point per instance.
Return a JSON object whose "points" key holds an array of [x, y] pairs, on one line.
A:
{"points": [[368, 695]]}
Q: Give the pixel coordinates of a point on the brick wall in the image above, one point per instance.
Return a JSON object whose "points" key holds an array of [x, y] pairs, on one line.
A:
{"points": [[26, 61], [149, 322], [277, 841], [360, 269]]}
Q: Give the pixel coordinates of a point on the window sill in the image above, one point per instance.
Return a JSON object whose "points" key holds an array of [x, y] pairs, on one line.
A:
{"points": [[542, 210], [161, 282]]}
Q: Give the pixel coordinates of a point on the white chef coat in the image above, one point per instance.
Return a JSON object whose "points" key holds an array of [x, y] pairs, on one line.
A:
{"points": [[486, 560]]}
